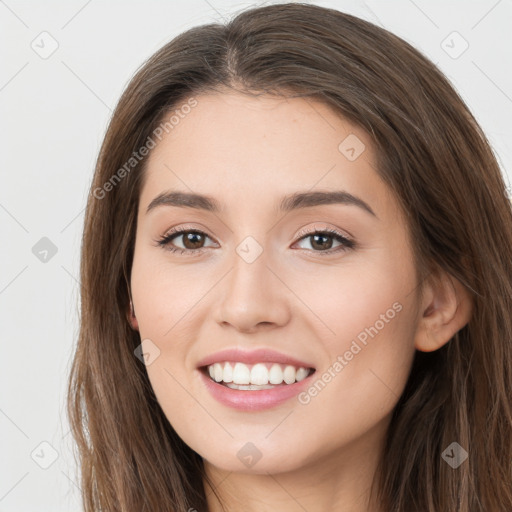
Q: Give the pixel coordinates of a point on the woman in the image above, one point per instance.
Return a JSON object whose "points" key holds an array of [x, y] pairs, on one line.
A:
{"points": [[296, 281]]}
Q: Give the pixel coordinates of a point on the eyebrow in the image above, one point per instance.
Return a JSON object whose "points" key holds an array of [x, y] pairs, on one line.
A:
{"points": [[288, 203]]}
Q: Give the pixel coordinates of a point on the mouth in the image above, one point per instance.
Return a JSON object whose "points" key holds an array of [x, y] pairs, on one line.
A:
{"points": [[254, 377]]}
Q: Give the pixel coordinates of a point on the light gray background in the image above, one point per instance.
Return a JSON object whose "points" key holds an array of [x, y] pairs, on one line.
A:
{"points": [[54, 112]]}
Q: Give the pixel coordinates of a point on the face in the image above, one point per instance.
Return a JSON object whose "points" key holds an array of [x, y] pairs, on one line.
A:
{"points": [[282, 282]]}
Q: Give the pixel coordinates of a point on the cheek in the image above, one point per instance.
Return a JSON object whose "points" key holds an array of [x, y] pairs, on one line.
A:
{"points": [[363, 379], [368, 323], [364, 299], [163, 293], [164, 296], [169, 300]]}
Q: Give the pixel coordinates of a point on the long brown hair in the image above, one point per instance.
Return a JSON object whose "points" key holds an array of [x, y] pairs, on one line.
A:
{"points": [[439, 164]]}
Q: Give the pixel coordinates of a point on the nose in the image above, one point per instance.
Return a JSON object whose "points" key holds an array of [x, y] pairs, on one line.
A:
{"points": [[253, 297]]}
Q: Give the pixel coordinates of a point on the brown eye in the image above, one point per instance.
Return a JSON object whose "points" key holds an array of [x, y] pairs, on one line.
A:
{"points": [[321, 242], [192, 240]]}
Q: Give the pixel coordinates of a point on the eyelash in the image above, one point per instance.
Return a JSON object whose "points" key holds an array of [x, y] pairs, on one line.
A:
{"points": [[164, 242]]}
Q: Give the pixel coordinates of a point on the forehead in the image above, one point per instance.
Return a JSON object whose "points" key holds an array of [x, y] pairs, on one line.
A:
{"points": [[235, 147]]}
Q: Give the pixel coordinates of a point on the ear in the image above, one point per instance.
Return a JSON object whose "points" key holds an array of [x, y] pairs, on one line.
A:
{"points": [[132, 319], [446, 308]]}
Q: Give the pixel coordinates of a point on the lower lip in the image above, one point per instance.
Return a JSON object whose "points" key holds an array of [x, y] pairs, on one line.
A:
{"points": [[258, 400]]}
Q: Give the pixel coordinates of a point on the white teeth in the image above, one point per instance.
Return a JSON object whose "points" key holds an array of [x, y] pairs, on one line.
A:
{"points": [[228, 373], [302, 373], [276, 374], [249, 387], [259, 376], [241, 374], [217, 372], [289, 375]]}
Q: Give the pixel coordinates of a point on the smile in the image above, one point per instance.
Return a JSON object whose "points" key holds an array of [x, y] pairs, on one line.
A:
{"points": [[283, 382], [237, 375], [253, 380]]}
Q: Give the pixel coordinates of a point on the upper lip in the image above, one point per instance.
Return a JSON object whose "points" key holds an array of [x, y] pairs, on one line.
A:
{"points": [[262, 355]]}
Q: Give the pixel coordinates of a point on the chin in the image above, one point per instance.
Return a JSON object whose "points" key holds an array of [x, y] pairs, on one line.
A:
{"points": [[256, 458]]}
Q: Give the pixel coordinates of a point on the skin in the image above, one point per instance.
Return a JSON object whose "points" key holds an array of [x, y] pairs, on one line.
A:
{"points": [[247, 153]]}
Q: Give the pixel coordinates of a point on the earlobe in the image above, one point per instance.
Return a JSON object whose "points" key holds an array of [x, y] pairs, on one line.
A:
{"points": [[132, 319], [446, 309]]}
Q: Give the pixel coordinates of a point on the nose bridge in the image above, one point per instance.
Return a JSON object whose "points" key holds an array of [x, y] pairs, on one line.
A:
{"points": [[252, 294], [250, 267]]}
